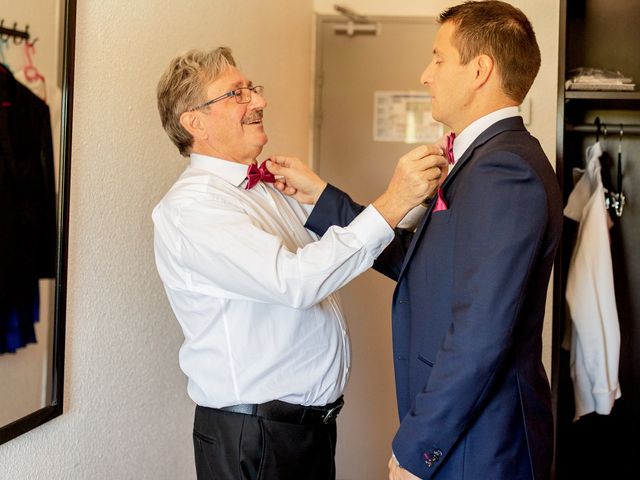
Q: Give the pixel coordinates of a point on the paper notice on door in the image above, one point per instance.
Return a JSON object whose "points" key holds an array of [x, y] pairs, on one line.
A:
{"points": [[404, 116]]}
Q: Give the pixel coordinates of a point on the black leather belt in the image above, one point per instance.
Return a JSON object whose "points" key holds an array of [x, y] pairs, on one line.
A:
{"points": [[288, 412]]}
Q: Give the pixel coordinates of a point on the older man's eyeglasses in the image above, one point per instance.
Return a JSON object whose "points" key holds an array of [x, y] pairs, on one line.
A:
{"points": [[242, 94]]}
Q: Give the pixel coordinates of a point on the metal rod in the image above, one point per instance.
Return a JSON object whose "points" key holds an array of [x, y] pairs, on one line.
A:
{"points": [[629, 129]]}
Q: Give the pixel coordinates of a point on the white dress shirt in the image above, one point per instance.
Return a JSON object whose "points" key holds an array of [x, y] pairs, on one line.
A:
{"points": [[465, 138], [590, 294], [253, 290]]}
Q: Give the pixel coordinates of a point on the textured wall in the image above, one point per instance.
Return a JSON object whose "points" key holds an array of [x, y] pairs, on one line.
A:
{"points": [[127, 415]]}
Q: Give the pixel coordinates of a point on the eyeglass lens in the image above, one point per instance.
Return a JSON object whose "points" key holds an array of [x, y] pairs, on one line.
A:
{"points": [[243, 94]]}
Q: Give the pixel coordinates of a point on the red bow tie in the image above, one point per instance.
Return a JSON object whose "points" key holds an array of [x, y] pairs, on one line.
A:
{"points": [[257, 174], [450, 138], [441, 203]]}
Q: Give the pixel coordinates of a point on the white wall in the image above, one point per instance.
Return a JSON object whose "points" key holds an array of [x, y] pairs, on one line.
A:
{"points": [[545, 18], [127, 415]]}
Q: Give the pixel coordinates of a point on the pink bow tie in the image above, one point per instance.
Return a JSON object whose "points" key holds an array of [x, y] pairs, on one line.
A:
{"points": [[450, 138], [441, 204], [257, 174]]}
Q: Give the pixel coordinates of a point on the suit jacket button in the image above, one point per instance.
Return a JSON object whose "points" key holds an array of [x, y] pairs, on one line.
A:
{"points": [[431, 458]]}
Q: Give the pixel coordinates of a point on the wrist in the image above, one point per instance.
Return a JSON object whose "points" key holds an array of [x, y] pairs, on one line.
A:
{"points": [[390, 209], [322, 185]]}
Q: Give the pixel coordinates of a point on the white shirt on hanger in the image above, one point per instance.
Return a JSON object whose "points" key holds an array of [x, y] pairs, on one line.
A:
{"points": [[590, 294], [253, 290]]}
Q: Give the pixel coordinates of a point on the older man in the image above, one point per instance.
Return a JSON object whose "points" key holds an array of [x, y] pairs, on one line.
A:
{"points": [[266, 348]]}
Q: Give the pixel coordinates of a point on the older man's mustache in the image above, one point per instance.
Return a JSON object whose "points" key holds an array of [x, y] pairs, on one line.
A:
{"points": [[254, 117]]}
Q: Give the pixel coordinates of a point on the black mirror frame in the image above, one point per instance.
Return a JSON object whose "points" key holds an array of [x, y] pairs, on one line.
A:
{"points": [[54, 409]]}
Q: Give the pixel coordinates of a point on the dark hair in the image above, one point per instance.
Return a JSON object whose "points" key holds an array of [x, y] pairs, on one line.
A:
{"points": [[504, 33]]}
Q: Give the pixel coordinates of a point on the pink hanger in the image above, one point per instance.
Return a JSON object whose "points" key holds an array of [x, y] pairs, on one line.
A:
{"points": [[31, 72]]}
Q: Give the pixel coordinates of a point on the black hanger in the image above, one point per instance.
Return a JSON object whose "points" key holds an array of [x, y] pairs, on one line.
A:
{"points": [[597, 123], [617, 199], [620, 158]]}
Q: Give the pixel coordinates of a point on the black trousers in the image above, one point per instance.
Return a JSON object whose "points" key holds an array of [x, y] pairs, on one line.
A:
{"points": [[235, 446]]}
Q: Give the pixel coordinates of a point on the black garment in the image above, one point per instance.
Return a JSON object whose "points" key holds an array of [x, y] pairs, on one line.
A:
{"points": [[27, 208], [235, 446]]}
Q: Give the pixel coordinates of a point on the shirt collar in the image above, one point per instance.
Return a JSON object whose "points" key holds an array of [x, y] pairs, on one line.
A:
{"points": [[474, 129], [233, 172]]}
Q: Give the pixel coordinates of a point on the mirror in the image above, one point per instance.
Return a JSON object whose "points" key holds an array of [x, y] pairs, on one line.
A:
{"points": [[36, 80]]}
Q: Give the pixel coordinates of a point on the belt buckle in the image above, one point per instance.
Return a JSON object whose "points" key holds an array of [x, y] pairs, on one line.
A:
{"points": [[332, 413]]}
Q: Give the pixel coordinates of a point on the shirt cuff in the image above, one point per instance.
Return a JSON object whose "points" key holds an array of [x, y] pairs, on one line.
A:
{"points": [[308, 207], [411, 219], [372, 230]]}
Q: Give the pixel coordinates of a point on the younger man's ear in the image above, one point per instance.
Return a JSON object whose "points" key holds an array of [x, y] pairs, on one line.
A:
{"points": [[483, 67]]}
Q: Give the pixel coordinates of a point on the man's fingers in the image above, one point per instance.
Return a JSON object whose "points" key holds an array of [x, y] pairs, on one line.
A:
{"points": [[290, 191], [424, 151], [429, 162], [275, 168], [433, 173], [279, 160], [284, 188], [435, 161]]}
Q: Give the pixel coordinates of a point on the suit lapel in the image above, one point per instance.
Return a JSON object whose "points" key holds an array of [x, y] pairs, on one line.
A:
{"points": [[507, 124]]}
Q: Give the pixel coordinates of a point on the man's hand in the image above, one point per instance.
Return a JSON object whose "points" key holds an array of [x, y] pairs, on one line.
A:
{"points": [[416, 177], [396, 472], [295, 178]]}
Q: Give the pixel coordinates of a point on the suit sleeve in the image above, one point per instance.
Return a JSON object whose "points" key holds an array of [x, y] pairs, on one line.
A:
{"points": [[500, 220], [335, 207]]}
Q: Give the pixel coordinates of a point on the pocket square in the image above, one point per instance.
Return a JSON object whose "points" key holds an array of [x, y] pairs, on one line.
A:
{"points": [[441, 204]]}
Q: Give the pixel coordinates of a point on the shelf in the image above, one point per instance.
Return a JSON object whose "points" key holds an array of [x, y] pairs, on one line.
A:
{"points": [[600, 95]]}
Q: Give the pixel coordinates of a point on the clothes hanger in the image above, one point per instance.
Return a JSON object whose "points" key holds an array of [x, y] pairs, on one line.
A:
{"points": [[597, 124], [616, 200], [620, 158], [31, 72], [619, 196]]}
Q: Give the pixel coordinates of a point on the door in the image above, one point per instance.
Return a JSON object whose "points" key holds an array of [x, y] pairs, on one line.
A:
{"points": [[370, 107]]}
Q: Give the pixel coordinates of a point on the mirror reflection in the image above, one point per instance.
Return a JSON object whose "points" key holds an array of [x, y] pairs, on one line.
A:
{"points": [[32, 80]]}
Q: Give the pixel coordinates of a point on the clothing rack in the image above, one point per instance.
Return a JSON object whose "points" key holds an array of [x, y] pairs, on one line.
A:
{"points": [[18, 36], [605, 128]]}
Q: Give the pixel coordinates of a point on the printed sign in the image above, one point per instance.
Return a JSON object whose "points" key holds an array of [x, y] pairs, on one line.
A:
{"points": [[404, 116]]}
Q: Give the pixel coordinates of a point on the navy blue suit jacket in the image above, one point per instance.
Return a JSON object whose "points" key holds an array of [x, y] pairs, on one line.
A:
{"points": [[468, 308]]}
